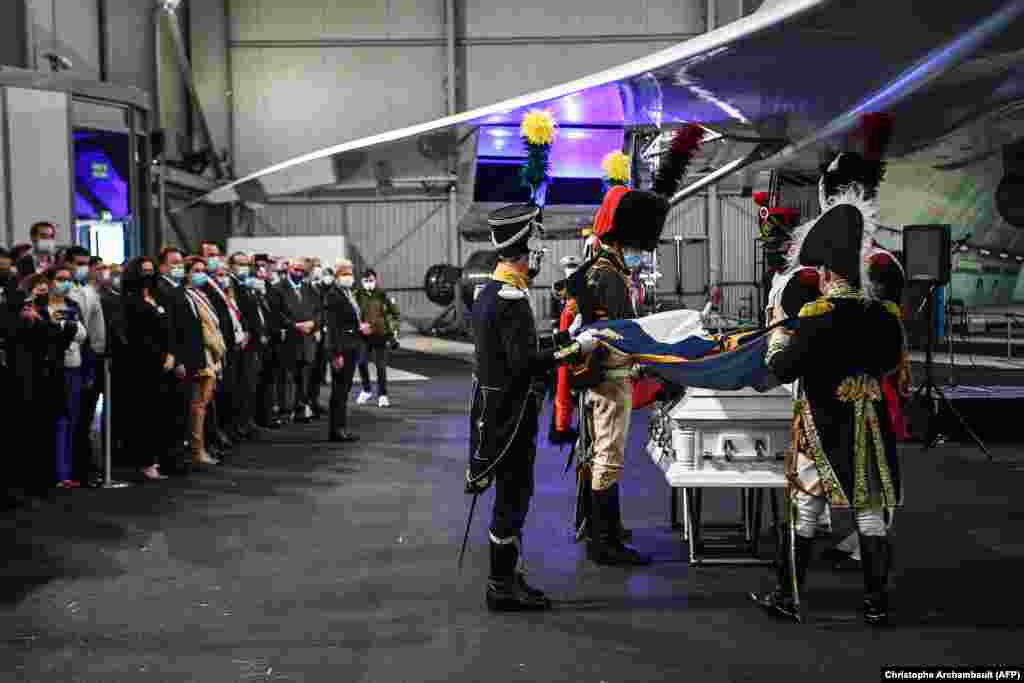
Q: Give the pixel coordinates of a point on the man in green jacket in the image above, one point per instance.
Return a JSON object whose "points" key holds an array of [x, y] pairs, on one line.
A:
{"points": [[381, 313]]}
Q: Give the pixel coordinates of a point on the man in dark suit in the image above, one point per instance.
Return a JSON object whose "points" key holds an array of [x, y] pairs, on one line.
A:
{"points": [[345, 340], [268, 339], [243, 286], [298, 309], [188, 352]]}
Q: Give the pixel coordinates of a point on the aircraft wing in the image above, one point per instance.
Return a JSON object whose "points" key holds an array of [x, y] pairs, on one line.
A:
{"points": [[797, 70]]}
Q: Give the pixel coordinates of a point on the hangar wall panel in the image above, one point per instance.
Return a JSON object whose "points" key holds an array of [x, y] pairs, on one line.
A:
{"points": [[259, 20], [70, 28], [399, 240], [131, 44], [322, 96], [210, 66], [541, 18], [498, 72], [739, 281]]}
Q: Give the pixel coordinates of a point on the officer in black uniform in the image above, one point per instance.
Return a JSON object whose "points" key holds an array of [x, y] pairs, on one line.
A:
{"points": [[507, 400]]}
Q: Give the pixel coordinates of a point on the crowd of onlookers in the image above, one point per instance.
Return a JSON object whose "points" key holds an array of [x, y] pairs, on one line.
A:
{"points": [[197, 352]]}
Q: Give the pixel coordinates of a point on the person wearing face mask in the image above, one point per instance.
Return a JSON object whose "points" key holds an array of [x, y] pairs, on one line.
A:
{"points": [[265, 334], [320, 284], [222, 410], [240, 305], [87, 467], [36, 355], [63, 309], [346, 331], [44, 244], [196, 279], [187, 357], [275, 299], [147, 361], [381, 313], [299, 314], [244, 287]]}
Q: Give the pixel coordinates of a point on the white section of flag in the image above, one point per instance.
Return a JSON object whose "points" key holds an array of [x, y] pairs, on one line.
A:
{"points": [[670, 327]]}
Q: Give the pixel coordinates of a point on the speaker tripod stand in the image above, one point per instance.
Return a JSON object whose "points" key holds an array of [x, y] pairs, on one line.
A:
{"points": [[934, 393]]}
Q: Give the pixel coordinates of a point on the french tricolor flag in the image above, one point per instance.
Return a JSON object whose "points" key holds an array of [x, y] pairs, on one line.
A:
{"points": [[675, 346]]}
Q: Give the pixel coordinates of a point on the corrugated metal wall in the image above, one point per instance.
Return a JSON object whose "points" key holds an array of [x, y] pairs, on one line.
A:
{"points": [[689, 221], [398, 240], [739, 253]]}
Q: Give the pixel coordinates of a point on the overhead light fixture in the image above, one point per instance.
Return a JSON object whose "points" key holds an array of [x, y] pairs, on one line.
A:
{"points": [[576, 134], [984, 252], [1020, 258], [965, 248], [1004, 255], [500, 132]]}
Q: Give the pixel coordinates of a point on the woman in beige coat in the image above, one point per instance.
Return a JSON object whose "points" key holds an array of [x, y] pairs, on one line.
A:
{"points": [[213, 343]]}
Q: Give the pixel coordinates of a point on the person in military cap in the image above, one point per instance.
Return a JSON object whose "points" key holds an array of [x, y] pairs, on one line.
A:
{"points": [[506, 401], [844, 454]]}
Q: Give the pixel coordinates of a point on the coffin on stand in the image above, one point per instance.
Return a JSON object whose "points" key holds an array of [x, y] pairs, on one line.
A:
{"points": [[723, 439]]}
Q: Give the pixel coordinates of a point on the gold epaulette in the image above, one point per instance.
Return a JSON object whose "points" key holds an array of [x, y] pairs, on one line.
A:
{"points": [[815, 308]]}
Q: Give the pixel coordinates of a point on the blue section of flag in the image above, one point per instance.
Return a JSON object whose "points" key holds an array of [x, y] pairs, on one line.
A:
{"points": [[698, 364], [636, 342]]}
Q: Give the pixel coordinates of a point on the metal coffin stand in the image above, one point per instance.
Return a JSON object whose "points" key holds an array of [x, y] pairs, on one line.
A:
{"points": [[724, 440]]}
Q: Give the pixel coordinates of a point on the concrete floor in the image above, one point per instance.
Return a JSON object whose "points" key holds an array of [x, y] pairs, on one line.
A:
{"points": [[302, 560]]}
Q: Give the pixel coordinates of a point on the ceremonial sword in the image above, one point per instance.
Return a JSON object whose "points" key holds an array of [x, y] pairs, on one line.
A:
{"points": [[469, 523]]}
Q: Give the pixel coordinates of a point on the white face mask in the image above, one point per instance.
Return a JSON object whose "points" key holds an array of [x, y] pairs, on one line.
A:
{"points": [[318, 273], [46, 246], [369, 285], [327, 281], [346, 281]]}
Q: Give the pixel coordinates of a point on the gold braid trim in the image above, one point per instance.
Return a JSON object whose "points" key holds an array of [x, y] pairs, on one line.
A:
{"points": [[862, 392], [833, 488]]}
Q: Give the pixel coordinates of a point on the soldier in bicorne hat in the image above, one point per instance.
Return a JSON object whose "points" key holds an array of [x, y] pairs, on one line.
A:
{"points": [[844, 346]]}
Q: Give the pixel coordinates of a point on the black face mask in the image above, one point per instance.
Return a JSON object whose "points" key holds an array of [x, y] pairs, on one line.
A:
{"points": [[41, 300]]}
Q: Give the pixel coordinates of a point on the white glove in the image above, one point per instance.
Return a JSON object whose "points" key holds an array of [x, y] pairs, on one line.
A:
{"points": [[577, 323], [587, 341]]}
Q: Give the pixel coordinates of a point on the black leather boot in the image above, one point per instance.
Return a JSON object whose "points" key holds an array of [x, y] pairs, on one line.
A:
{"points": [[623, 533], [779, 603], [605, 545], [521, 578], [505, 586], [875, 557]]}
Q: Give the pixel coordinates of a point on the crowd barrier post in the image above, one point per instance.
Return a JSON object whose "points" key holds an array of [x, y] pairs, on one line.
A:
{"points": [[108, 405]]}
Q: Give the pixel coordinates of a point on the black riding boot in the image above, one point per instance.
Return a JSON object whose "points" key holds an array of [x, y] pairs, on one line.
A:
{"points": [[506, 590], [605, 545], [521, 578], [875, 554], [624, 533], [780, 603]]}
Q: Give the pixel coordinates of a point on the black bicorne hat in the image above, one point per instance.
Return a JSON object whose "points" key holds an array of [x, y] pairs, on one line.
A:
{"points": [[836, 241], [511, 228]]}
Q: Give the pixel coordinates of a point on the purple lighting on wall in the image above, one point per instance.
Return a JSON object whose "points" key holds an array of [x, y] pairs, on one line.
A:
{"points": [[576, 153]]}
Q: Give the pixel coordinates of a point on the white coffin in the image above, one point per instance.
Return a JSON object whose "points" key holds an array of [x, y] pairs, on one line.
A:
{"points": [[755, 427]]}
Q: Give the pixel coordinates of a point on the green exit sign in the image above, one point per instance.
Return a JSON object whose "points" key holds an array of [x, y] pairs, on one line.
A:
{"points": [[100, 170]]}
